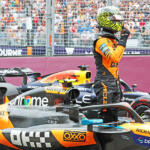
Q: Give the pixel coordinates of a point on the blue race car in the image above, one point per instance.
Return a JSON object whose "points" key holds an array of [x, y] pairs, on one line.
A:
{"points": [[140, 101], [71, 86], [32, 80]]}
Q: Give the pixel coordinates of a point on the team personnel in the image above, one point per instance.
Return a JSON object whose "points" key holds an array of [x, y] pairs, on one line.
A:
{"points": [[108, 51]]}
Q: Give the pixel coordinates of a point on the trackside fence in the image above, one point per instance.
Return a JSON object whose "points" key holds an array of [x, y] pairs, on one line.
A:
{"points": [[66, 27]]}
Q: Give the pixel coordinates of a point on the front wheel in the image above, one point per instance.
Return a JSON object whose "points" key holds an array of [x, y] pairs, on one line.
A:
{"points": [[140, 109]]}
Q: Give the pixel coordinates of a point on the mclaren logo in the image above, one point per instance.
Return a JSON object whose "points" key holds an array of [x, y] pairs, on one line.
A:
{"points": [[74, 136]]}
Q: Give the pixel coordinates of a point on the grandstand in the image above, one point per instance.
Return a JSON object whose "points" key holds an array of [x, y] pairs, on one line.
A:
{"points": [[23, 26]]}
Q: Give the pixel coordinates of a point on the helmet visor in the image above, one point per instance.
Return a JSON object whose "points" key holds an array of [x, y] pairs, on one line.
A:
{"points": [[117, 18]]}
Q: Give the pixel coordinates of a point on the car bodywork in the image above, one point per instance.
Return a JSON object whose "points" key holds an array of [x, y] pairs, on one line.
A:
{"points": [[9, 90], [140, 101], [32, 80], [70, 86], [82, 94], [66, 127]]}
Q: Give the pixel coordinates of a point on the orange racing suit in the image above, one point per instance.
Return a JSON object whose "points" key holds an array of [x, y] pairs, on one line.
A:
{"points": [[108, 51]]}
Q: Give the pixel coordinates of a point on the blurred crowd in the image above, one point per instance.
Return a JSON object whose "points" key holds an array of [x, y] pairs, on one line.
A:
{"points": [[78, 19], [19, 18], [137, 18], [75, 20]]}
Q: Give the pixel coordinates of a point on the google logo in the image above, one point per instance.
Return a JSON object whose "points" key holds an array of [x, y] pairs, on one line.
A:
{"points": [[30, 101]]}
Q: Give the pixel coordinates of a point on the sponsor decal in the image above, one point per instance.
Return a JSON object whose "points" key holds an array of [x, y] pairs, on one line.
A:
{"points": [[29, 101], [83, 89], [32, 87], [30, 139], [59, 76], [113, 64], [104, 93], [74, 136], [86, 99], [10, 52], [141, 140], [143, 131], [69, 50], [53, 121], [55, 90]]}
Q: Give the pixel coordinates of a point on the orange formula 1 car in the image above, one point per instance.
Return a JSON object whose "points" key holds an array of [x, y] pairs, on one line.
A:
{"points": [[69, 128]]}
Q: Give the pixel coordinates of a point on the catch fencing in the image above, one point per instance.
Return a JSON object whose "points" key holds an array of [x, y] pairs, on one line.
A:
{"points": [[66, 27]]}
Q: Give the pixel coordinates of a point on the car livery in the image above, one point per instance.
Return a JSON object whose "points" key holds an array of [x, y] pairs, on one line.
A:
{"points": [[32, 80], [67, 127], [70, 86]]}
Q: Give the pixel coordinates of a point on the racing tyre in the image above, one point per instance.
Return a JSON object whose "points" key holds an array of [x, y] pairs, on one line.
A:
{"points": [[140, 109], [99, 146]]}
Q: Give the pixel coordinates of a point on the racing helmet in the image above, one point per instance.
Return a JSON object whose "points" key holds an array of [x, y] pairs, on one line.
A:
{"points": [[110, 18]]}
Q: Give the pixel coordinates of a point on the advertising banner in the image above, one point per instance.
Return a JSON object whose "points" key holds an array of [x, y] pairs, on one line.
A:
{"points": [[16, 51]]}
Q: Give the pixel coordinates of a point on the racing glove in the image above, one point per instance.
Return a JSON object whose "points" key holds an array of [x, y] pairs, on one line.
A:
{"points": [[124, 36]]}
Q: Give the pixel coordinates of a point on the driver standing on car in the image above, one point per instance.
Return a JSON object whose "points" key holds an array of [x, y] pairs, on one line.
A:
{"points": [[108, 51]]}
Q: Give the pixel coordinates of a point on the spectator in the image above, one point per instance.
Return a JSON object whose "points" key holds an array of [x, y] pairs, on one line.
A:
{"points": [[142, 25], [76, 12]]}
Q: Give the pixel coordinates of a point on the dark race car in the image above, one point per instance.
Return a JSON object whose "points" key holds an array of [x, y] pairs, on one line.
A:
{"points": [[32, 80], [68, 128], [140, 101], [8, 90], [70, 86], [83, 94]]}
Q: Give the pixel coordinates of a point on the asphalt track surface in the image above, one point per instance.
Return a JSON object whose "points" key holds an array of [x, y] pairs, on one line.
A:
{"points": [[133, 69]]}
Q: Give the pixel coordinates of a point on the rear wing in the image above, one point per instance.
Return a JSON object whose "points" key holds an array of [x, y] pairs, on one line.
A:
{"points": [[18, 72], [14, 72]]}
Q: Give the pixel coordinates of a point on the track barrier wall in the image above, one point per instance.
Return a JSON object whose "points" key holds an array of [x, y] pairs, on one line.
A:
{"points": [[23, 51], [133, 69], [64, 27]]}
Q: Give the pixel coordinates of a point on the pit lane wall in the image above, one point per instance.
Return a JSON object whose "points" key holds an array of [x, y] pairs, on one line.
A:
{"points": [[133, 69]]}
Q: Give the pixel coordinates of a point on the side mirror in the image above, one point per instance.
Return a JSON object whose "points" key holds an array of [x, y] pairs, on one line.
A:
{"points": [[3, 91], [134, 86]]}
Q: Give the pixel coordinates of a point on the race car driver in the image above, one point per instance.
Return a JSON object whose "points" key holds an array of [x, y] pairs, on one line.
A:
{"points": [[108, 51]]}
